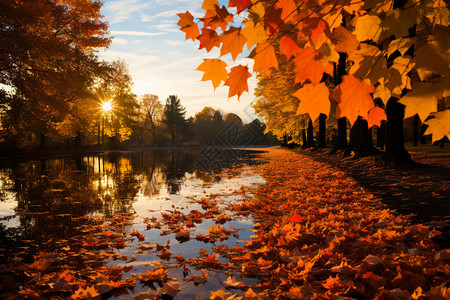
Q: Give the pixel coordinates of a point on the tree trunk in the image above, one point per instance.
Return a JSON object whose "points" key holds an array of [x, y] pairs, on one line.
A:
{"points": [[341, 138], [42, 139], [416, 126], [284, 143], [381, 135], [321, 143], [361, 140], [310, 134], [304, 140], [423, 138], [395, 144]]}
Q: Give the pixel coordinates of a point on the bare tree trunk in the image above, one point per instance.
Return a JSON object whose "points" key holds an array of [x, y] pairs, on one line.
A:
{"points": [[321, 143]]}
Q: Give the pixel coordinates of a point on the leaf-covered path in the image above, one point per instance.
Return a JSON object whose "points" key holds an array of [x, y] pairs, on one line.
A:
{"points": [[316, 235]]}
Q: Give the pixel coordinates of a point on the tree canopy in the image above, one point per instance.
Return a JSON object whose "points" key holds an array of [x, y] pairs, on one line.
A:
{"points": [[394, 48]]}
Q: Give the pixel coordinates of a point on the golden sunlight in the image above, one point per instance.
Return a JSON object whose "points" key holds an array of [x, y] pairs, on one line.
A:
{"points": [[107, 106]]}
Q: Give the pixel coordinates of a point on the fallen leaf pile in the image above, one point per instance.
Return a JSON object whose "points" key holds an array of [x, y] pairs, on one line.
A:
{"points": [[316, 235]]}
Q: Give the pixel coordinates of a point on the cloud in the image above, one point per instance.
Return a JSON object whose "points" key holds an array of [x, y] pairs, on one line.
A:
{"points": [[117, 41], [170, 27], [163, 14], [119, 11], [135, 33], [174, 43]]}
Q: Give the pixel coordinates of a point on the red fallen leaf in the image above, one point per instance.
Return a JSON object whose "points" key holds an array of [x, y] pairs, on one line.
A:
{"points": [[190, 224], [120, 244], [296, 218], [139, 236], [127, 268], [41, 264], [88, 244], [165, 254]]}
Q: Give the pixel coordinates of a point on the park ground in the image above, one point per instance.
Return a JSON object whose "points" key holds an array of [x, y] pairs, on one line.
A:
{"points": [[321, 230]]}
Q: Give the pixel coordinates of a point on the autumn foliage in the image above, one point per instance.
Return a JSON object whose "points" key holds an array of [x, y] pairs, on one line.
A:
{"points": [[393, 49], [309, 239]]}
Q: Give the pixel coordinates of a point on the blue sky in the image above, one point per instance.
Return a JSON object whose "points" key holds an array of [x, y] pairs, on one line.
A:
{"points": [[159, 58]]}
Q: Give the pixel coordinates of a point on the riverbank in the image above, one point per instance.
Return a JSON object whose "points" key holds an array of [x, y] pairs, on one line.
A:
{"points": [[309, 232]]}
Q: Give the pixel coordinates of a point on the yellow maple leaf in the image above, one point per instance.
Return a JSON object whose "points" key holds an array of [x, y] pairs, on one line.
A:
{"points": [[87, 293], [313, 100], [237, 80], [265, 58], [214, 70], [255, 33], [422, 100], [367, 27]]}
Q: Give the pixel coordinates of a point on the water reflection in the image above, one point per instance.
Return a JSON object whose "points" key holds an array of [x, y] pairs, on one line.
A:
{"points": [[40, 198]]}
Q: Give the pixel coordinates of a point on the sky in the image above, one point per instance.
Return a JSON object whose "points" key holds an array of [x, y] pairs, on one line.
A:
{"points": [[161, 61]]}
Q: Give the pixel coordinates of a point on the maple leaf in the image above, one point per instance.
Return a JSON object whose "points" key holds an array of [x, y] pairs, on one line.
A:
{"points": [[367, 27], [265, 58], [239, 4], [237, 80], [307, 66], [217, 17], [375, 116], [230, 282], [233, 42], [288, 9], [439, 126], [313, 100], [210, 4], [353, 98], [401, 45], [188, 26], [333, 283], [422, 100], [87, 293], [288, 47], [296, 218], [214, 70], [317, 30], [157, 274], [273, 20], [398, 21], [208, 39], [254, 32], [344, 40]]}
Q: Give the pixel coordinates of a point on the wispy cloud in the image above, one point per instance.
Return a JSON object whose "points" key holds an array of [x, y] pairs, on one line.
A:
{"points": [[174, 43], [168, 27], [163, 14], [135, 33], [118, 41], [119, 11]]}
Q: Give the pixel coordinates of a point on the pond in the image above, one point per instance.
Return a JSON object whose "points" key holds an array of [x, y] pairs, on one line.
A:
{"points": [[46, 203]]}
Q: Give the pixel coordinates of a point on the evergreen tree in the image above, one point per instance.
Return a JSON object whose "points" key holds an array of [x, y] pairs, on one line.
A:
{"points": [[174, 117]]}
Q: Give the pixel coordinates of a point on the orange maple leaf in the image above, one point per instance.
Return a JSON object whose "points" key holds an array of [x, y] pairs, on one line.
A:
{"points": [[87, 293], [344, 40], [265, 58], [233, 42], [186, 19], [208, 39], [288, 47], [313, 100], [288, 7], [308, 66], [214, 70], [188, 26], [375, 116], [209, 4], [218, 17], [240, 4], [353, 98], [317, 30], [237, 80]]}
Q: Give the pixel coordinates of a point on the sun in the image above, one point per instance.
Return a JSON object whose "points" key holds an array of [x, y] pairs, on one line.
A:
{"points": [[107, 106]]}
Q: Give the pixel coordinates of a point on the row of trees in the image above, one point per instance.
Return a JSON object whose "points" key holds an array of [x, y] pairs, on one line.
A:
{"points": [[167, 125], [360, 63]]}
